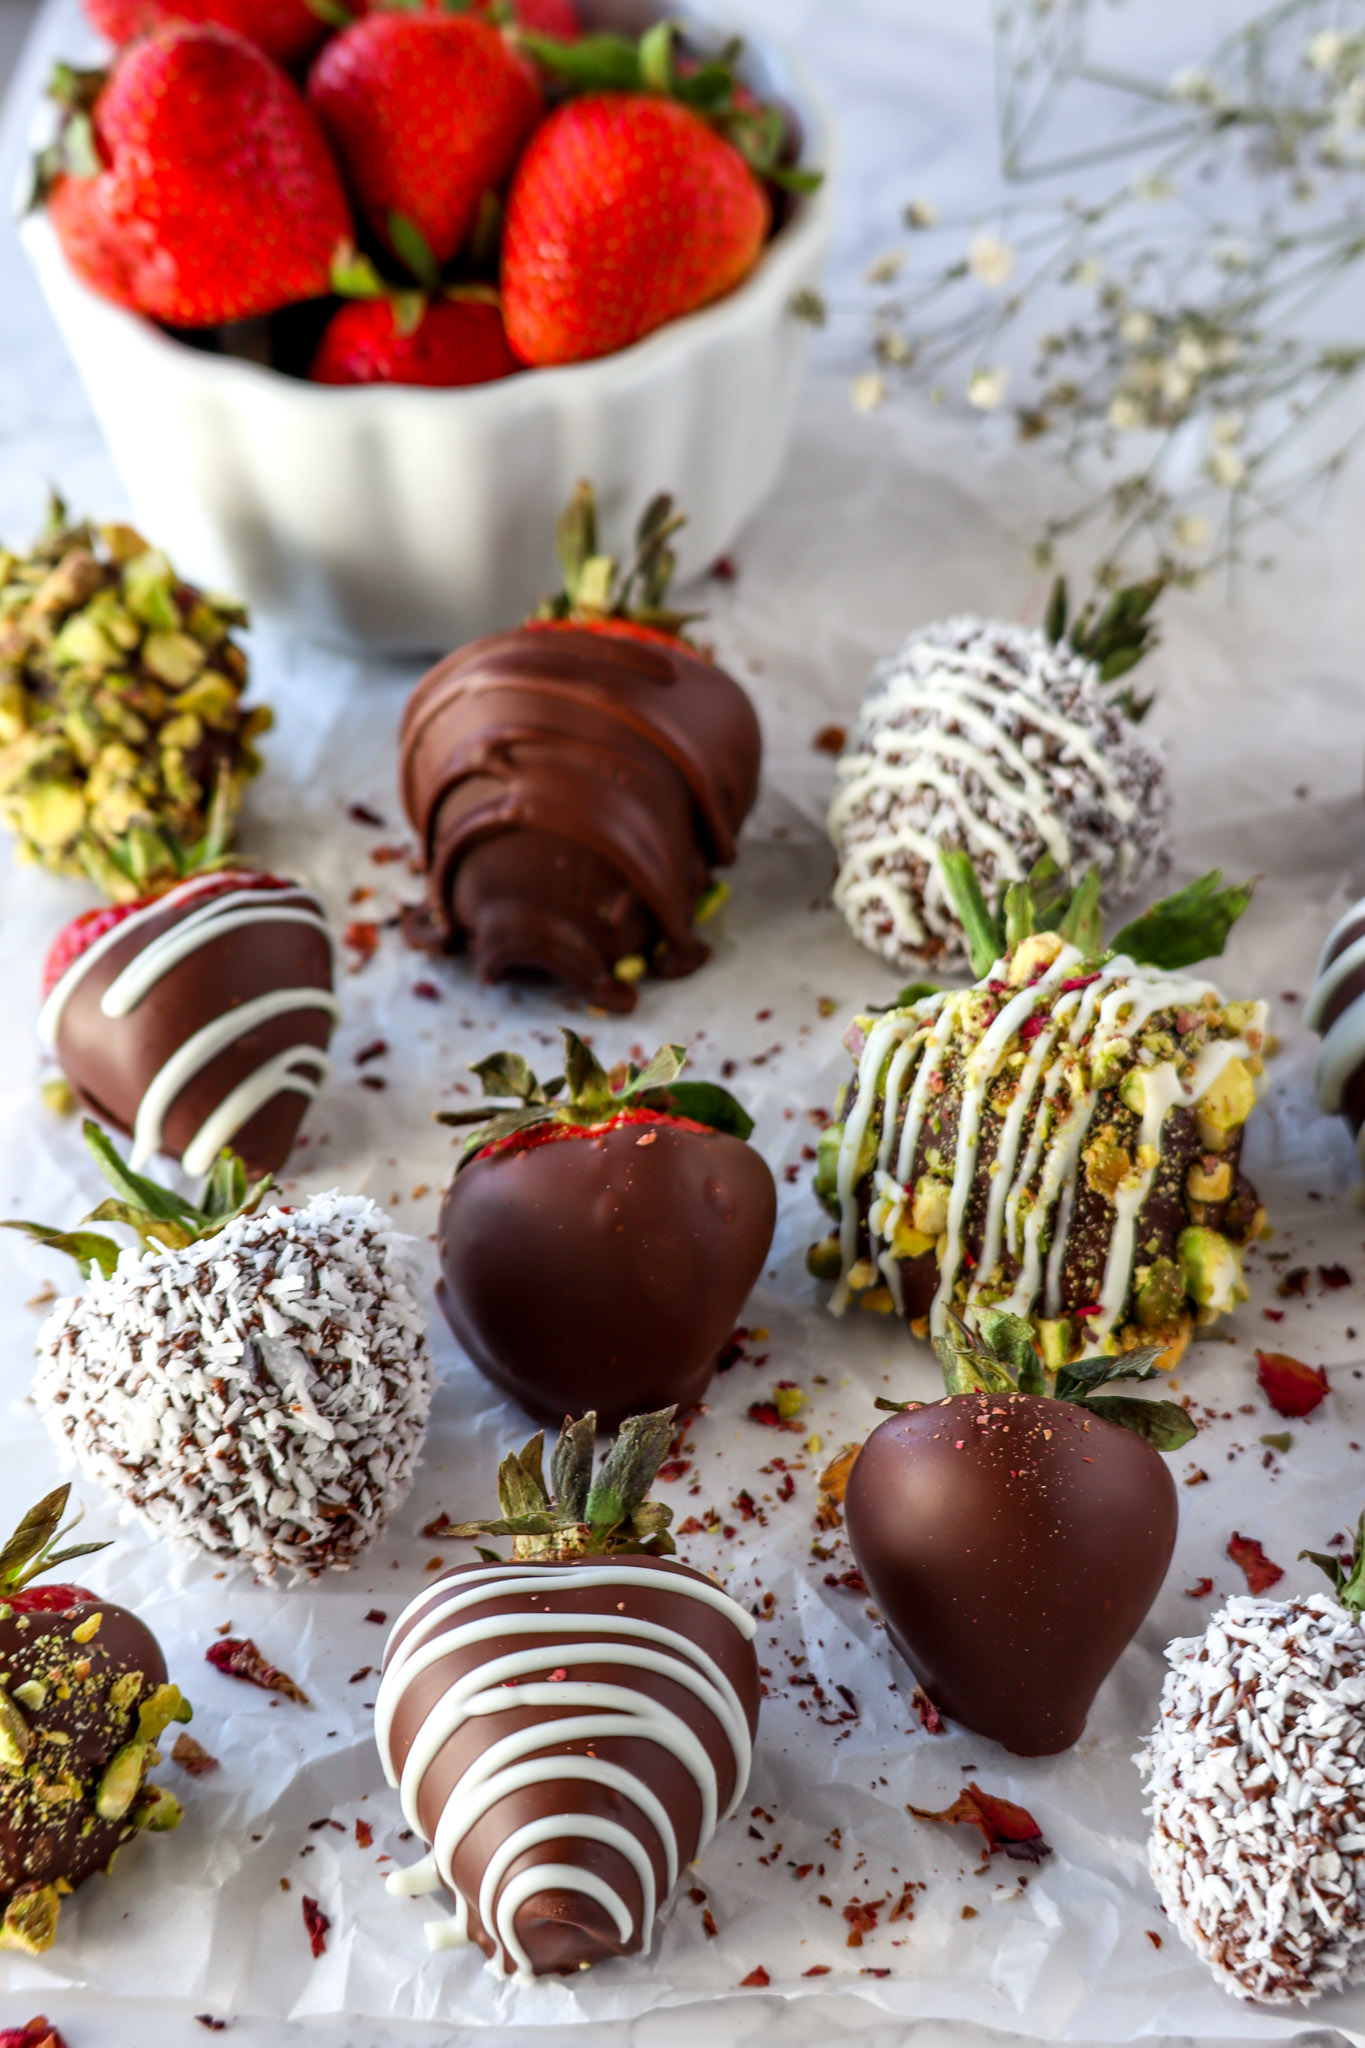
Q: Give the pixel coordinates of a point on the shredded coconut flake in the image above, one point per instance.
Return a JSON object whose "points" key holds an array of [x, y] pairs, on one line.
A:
{"points": [[989, 737], [263, 1393], [1256, 1771]]}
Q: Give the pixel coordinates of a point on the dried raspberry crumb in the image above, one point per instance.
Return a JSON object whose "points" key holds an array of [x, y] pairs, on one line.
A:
{"points": [[362, 936], [377, 1614], [1334, 1276], [1200, 1590], [830, 739], [851, 1581], [364, 1835], [426, 991], [816, 1970], [377, 1049], [758, 1980], [361, 814]]}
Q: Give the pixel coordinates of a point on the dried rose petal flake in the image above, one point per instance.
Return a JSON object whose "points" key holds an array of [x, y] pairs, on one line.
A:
{"points": [[758, 1980], [192, 1756], [1261, 1572], [39, 2033], [317, 1924], [1291, 1387], [238, 1657], [1003, 1825]]}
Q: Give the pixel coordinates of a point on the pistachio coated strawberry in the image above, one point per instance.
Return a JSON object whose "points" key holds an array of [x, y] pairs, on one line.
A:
{"points": [[567, 1728], [598, 1242], [426, 112], [83, 1702], [1015, 1537], [193, 183]]}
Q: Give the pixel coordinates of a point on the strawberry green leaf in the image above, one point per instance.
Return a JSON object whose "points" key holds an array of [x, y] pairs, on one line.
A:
{"points": [[627, 1472], [587, 1079], [90, 1250], [1082, 924], [134, 1188], [412, 248], [571, 1466], [984, 934], [1162, 1424], [507, 1073], [596, 63], [705, 1102], [1190, 926], [35, 1534], [665, 1067]]}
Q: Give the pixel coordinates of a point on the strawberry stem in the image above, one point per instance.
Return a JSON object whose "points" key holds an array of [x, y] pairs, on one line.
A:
{"points": [[31, 1550], [577, 1515]]}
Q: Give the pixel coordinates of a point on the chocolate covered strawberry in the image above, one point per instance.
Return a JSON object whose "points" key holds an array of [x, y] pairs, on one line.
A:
{"points": [[275, 1360], [1015, 1535], [192, 183], [598, 1242], [568, 1728], [575, 782], [83, 1702], [197, 1018], [426, 112]]}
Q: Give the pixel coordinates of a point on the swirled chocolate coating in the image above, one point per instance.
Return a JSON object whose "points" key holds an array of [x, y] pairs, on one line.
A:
{"points": [[572, 790], [50, 1829], [566, 1736]]}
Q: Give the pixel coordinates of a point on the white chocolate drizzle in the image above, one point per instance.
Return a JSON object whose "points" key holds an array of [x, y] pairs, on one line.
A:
{"points": [[1031, 1199], [1343, 1047], [299, 1069], [440, 1622], [952, 746]]}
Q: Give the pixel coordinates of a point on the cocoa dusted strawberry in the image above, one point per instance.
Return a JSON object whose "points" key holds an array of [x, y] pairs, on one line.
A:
{"points": [[574, 783], [83, 1703], [1015, 1534], [197, 1018], [598, 1242], [567, 1729]]}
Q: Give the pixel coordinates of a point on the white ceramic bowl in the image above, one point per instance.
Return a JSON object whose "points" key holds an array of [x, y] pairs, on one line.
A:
{"points": [[410, 520]]}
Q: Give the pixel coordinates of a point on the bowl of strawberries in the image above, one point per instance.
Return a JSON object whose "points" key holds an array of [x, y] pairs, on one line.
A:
{"points": [[358, 298]]}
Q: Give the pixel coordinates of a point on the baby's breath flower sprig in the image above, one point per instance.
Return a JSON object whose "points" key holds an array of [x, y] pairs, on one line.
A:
{"points": [[1170, 316]]}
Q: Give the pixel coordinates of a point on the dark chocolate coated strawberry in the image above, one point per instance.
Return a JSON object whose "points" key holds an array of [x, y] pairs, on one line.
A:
{"points": [[1015, 1540], [83, 1699], [597, 1251]]}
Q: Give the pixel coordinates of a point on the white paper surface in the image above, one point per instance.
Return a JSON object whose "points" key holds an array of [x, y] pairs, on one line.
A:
{"points": [[881, 524]]}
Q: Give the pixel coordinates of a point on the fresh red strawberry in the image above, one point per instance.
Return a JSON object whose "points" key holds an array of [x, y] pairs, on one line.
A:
{"points": [[426, 112], [626, 211], [455, 341], [557, 18], [82, 932], [598, 1243], [216, 197], [285, 29]]}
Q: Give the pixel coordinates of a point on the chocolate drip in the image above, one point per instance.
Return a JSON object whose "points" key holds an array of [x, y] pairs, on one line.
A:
{"points": [[636, 1805], [572, 790]]}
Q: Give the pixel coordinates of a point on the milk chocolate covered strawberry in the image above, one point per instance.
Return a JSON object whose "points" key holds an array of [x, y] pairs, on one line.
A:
{"points": [[598, 1242], [1015, 1534], [567, 1729], [83, 1702], [574, 783]]}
